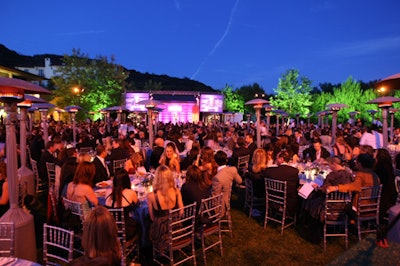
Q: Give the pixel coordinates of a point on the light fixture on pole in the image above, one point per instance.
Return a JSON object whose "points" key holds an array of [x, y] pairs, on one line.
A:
{"points": [[11, 92], [372, 112], [335, 108], [73, 109], [268, 109], [43, 108], [392, 111], [258, 104], [353, 117], [384, 103], [150, 104]]}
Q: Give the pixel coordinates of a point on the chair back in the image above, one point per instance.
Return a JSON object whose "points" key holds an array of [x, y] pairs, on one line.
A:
{"points": [[118, 164], [77, 208], [368, 201], [58, 244], [38, 183], [243, 164], [7, 239], [275, 191], [397, 184], [119, 217], [336, 204], [211, 209], [51, 173], [250, 200], [181, 225]]}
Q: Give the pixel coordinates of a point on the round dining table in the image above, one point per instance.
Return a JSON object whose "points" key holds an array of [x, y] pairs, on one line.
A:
{"points": [[14, 261]]}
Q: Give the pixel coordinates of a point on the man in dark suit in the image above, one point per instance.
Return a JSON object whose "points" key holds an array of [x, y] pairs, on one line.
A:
{"points": [[251, 145], [158, 150], [285, 172], [102, 170], [316, 152], [117, 153], [299, 138], [47, 157], [222, 181], [240, 151]]}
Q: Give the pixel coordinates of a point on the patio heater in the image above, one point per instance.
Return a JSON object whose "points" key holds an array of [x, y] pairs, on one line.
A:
{"points": [[11, 92], [384, 103], [258, 104], [72, 110], [335, 108]]}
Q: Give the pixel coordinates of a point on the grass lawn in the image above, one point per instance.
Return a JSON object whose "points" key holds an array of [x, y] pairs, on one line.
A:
{"points": [[253, 245]]}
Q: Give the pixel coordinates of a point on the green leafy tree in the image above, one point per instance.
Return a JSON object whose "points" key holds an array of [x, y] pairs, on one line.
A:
{"points": [[293, 94], [233, 101], [249, 92], [99, 82]]}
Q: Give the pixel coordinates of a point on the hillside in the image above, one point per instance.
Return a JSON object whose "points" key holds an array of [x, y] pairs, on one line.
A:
{"points": [[137, 80]]}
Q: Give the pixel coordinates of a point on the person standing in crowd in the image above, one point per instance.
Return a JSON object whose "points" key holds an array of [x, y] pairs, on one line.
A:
{"points": [[250, 144]]}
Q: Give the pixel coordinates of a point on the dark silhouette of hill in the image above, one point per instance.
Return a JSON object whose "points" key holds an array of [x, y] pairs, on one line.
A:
{"points": [[135, 81]]}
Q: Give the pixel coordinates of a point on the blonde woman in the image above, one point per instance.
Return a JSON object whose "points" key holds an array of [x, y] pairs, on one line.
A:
{"points": [[165, 196], [170, 157], [256, 174]]}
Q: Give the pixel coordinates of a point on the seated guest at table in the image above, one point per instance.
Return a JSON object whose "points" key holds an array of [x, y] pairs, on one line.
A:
{"points": [[316, 152], [342, 149], [313, 216], [158, 150], [239, 151], [68, 170], [165, 196], [170, 157], [397, 165], [80, 189], [207, 164], [194, 189], [250, 144], [191, 156], [47, 157], [256, 172], [269, 148], [222, 181], [135, 161], [365, 177], [117, 153], [83, 157], [100, 240], [285, 172], [4, 198], [102, 171], [122, 196]]}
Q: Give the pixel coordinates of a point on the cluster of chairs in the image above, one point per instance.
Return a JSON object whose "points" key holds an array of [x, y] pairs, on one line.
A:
{"points": [[337, 206], [182, 229]]}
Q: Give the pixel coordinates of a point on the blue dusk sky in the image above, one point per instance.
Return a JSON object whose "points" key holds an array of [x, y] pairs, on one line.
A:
{"points": [[216, 42]]}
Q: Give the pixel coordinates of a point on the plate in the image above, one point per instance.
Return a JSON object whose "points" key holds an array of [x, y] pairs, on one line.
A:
{"points": [[100, 192], [104, 183]]}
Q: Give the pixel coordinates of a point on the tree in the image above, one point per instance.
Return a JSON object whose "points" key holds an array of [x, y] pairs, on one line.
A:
{"points": [[233, 101], [293, 94], [150, 85], [249, 92], [99, 82]]}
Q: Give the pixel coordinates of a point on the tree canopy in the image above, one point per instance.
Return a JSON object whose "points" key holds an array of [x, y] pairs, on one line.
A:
{"points": [[293, 94], [92, 84]]}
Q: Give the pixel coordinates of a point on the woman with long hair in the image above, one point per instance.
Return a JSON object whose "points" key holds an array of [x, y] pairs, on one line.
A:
{"points": [[207, 164], [170, 157], [165, 196], [80, 189], [122, 196], [100, 240], [255, 174], [194, 189]]}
